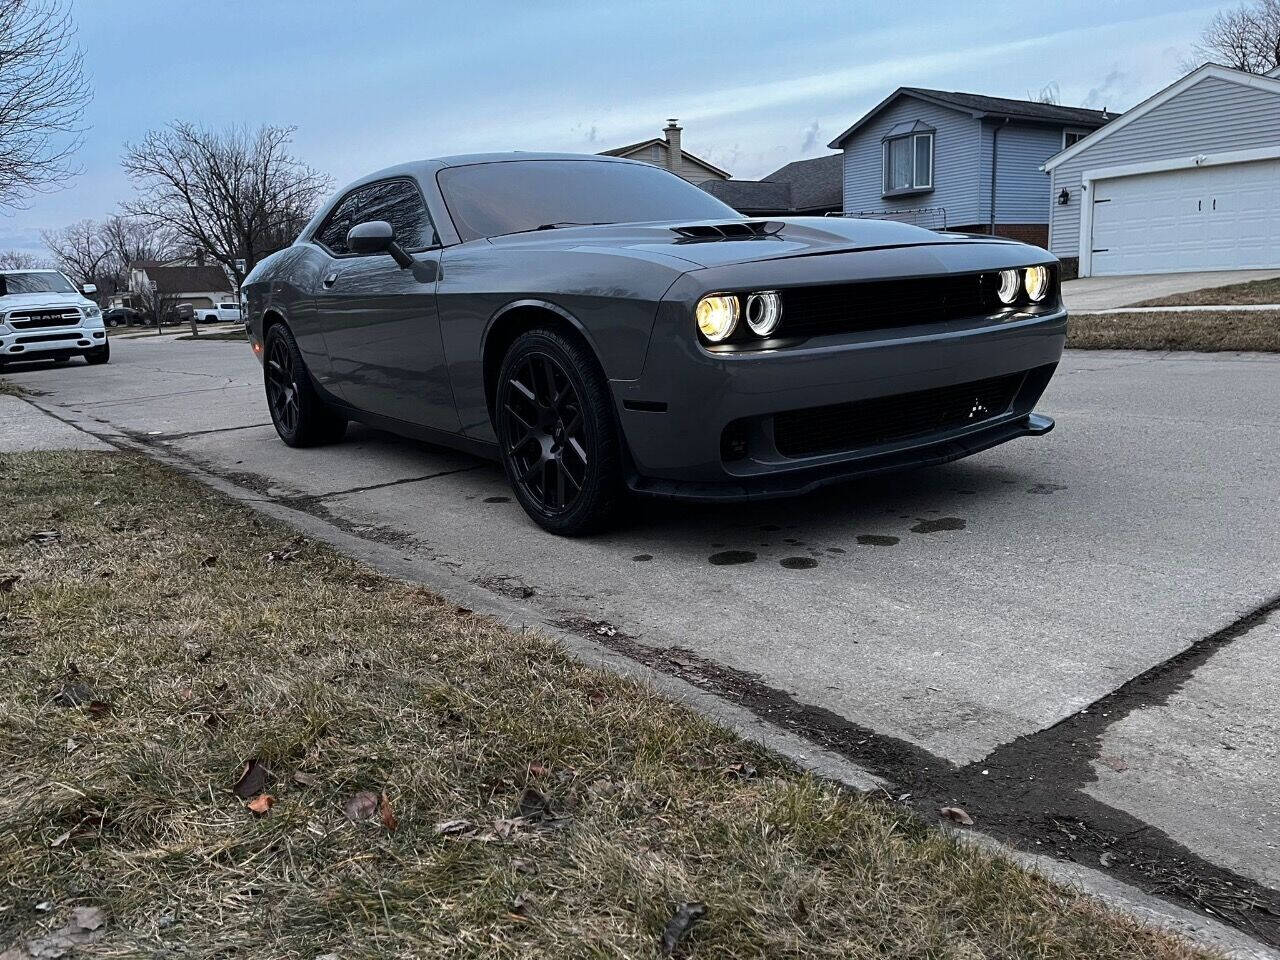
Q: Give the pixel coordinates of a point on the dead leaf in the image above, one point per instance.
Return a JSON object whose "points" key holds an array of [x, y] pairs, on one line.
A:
{"points": [[84, 927], [957, 815], [45, 536], [741, 771], [209, 561], [197, 650], [538, 770], [282, 556], [8, 581], [533, 805], [253, 778], [527, 867], [453, 828], [60, 839], [521, 903], [687, 914], [99, 708], [362, 806], [261, 803], [73, 694], [304, 779], [386, 813]]}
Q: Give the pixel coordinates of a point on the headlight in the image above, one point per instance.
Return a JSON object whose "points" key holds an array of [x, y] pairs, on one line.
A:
{"points": [[764, 310], [717, 315], [1036, 280], [1008, 291], [93, 311]]}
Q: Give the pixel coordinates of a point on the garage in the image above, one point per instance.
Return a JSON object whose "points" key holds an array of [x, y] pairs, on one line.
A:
{"points": [[1222, 217], [1186, 181]]}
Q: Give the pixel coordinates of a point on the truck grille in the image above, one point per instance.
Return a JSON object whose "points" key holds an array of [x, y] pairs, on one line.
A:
{"points": [[881, 420], [35, 319], [881, 304]]}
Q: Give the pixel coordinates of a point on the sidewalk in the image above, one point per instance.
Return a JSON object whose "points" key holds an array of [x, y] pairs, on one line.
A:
{"points": [[24, 427]]}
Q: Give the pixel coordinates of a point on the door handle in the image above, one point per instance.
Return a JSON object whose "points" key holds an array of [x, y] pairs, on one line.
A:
{"points": [[330, 280]]}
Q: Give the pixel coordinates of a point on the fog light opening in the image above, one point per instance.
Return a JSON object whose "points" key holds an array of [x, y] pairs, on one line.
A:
{"points": [[733, 442]]}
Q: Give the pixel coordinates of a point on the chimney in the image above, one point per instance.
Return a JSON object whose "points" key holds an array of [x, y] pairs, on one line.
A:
{"points": [[675, 156]]}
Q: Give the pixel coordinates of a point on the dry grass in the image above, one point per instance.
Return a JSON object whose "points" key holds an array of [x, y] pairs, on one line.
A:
{"points": [[1254, 291], [157, 641], [9, 389], [239, 334], [1257, 330]]}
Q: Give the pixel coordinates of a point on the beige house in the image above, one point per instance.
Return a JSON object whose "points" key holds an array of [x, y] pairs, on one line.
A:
{"points": [[198, 286], [667, 152]]}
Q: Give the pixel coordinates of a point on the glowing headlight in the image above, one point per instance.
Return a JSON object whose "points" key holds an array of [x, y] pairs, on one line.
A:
{"points": [[764, 310], [1036, 280], [1008, 291], [717, 315]]}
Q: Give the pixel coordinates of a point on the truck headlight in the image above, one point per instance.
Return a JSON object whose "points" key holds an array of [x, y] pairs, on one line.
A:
{"points": [[717, 315], [93, 316]]}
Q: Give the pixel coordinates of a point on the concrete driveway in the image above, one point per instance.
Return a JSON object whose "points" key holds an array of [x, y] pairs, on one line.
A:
{"points": [[1106, 293], [1073, 637]]}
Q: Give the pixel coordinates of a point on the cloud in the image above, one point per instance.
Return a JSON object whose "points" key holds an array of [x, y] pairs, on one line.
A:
{"points": [[810, 137], [1110, 92]]}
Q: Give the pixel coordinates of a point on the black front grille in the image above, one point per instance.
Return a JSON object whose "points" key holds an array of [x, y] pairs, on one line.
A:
{"points": [[35, 319], [48, 338], [880, 304], [881, 420]]}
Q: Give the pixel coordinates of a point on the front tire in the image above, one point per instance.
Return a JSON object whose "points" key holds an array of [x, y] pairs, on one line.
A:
{"points": [[98, 354], [557, 433], [301, 418]]}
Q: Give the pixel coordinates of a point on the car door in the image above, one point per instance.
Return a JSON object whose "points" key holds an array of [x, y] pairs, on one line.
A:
{"points": [[381, 327]]}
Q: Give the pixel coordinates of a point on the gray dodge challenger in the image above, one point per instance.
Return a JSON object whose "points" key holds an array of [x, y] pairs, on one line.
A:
{"points": [[603, 327]]}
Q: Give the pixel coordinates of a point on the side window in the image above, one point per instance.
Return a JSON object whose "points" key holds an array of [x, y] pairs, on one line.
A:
{"points": [[396, 201]]}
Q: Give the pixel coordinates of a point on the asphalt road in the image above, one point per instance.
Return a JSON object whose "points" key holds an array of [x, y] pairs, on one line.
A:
{"points": [[949, 628]]}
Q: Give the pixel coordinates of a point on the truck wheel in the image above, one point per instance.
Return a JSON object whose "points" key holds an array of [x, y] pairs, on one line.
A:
{"points": [[301, 418], [98, 354], [557, 433]]}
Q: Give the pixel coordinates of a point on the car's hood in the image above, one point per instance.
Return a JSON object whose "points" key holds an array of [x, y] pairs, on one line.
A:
{"points": [[40, 301], [708, 243]]}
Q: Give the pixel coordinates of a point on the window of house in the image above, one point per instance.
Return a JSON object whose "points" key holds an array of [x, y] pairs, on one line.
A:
{"points": [[399, 202], [1072, 137], [908, 159]]}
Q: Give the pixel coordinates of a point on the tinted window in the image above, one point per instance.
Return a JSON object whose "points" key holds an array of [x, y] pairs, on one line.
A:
{"points": [[396, 201], [491, 199], [34, 283]]}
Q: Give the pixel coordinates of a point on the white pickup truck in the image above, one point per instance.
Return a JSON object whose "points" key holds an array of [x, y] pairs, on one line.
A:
{"points": [[43, 317], [219, 311]]}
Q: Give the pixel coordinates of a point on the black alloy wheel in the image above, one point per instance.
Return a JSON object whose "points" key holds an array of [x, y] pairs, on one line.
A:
{"points": [[300, 416], [557, 433], [98, 355]]}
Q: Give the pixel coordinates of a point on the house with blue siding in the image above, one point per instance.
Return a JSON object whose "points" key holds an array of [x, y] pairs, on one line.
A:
{"points": [[959, 161]]}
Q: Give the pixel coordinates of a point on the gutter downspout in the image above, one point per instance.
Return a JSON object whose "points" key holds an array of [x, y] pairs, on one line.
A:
{"points": [[995, 153]]}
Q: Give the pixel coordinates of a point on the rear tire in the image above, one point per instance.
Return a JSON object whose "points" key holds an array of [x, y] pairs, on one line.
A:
{"points": [[301, 418], [557, 433], [98, 354]]}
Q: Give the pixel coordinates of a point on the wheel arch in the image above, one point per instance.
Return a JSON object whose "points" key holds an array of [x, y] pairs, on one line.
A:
{"points": [[514, 319]]}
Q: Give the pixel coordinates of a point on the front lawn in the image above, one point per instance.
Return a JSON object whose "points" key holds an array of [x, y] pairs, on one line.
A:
{"points": [[1257, 330], [223, 740], [1254, 291]]}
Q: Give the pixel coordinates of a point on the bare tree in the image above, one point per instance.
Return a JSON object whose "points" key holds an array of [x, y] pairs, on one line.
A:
{"points": [[42, 97], [1247, 37], [102, 252], [1049, 93], [233, 195], [20, 260]]}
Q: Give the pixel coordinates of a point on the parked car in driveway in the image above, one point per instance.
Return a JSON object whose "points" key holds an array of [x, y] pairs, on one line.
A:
{"points": [[602, 326], [219, 312], [122, 316], [44, 317]]}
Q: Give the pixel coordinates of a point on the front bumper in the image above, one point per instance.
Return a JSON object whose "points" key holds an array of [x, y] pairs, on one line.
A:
{"points": [[675, 415], [41, 342]]}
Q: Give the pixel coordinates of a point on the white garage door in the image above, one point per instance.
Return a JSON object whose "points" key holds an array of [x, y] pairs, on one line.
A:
{"points": [[1223, 217]]}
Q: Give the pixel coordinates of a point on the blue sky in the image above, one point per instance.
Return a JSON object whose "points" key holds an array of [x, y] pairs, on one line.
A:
{"points": [[755, 84]]}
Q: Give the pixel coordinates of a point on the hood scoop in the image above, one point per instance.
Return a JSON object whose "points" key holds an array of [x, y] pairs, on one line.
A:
{"points": [[729, 230]]}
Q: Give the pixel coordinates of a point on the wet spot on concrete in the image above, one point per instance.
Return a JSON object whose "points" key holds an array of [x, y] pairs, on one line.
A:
{"points": [[941, 523], [642, 557], [835, 549], [1045, 488], [728, 557], [876, 540], [798, 563], [497, 499]]}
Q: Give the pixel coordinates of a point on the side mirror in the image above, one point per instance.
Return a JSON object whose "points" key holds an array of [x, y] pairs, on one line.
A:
{"points": [[377, 236], [90, 288]]}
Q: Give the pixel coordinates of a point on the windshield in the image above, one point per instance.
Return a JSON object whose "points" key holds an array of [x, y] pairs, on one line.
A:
{"points": [[11, 283], [492, 199]]}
